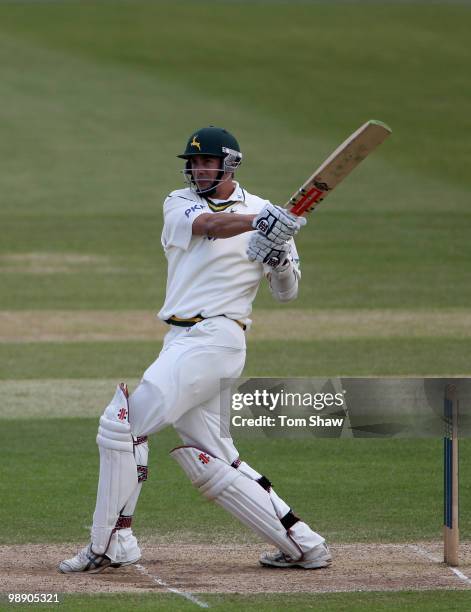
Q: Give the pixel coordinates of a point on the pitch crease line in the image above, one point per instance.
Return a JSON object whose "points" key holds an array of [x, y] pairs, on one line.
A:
{"points": [[160, 582], [424, 553]]}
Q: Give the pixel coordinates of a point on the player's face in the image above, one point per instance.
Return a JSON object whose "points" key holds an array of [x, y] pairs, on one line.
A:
{"points": [[205, 170]]}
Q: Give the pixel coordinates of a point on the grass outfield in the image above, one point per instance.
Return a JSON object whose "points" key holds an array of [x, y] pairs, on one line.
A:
{"points": [[347, 602], [360, 491], [365, 357], [97, 100], [88, 160]]}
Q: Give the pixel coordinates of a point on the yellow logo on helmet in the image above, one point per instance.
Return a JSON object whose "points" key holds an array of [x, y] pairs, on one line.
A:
{"points": [[195, 143]]}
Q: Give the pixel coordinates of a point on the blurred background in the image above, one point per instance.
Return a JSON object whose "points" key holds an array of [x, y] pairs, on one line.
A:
{"points": [[96, 100]]}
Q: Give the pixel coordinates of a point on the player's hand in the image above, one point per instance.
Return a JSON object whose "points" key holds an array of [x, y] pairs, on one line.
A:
{"points": [[277, 224], [266, 251]]}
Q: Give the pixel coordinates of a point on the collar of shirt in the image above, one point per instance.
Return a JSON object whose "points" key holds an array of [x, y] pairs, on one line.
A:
{"points": [[238, 195]]}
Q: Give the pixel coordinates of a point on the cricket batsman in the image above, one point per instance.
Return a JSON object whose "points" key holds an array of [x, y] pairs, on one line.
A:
{"points": [[220, 242]]}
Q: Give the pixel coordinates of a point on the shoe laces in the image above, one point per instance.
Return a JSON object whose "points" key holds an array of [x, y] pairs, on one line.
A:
{"points": [[280, 556]]}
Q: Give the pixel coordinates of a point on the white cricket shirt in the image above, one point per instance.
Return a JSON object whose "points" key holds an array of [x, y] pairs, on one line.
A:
{"points": [[209, 276]]}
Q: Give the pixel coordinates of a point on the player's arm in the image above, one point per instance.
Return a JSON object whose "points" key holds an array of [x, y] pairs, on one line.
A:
{"points": [[222, 225], [284, 281], [273, 221]]}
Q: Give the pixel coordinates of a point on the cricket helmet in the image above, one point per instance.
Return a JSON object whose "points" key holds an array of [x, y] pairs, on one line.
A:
{"points": [[214, 142]]}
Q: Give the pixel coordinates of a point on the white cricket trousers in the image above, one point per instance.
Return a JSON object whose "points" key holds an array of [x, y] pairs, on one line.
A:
{"points": [[182, 387]]}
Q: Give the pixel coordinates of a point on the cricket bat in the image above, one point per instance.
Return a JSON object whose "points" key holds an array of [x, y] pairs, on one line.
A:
{"points": [[337, 166]]}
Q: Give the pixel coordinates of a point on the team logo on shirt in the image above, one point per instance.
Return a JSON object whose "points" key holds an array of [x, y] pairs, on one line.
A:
{"points": [[195, 143]]}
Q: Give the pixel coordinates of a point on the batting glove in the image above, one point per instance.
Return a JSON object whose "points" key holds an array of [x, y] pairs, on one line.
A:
{"points": [[261, 249], [277, 224]]}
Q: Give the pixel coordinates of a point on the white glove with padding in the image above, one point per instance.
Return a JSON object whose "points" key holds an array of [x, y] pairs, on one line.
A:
{"points": [[277, 224], [264, 250]]}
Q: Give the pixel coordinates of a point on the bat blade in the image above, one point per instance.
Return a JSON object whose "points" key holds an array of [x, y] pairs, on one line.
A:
{"points": [[337, 166]]}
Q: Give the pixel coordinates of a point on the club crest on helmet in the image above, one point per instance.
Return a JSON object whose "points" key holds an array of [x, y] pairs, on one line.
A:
{"points": [[195, 143]]}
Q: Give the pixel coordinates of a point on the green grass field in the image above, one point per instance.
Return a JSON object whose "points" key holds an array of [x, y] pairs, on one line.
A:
{"points": [[97, 99], [401, 479], [356, 602]]}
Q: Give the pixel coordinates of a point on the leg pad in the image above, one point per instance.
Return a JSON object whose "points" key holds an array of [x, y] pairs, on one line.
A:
{"points": [[240, 495]]}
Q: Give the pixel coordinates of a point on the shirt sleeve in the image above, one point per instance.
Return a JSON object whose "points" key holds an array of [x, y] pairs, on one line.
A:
{"points": [[179, 214]]}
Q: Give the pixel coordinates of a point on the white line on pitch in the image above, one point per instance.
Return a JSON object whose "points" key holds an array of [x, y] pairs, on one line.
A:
{"points": [[424, 553], [162, 583], [460, 575]]}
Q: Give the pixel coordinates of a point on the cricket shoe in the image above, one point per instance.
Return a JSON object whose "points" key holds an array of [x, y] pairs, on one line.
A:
{"points": [[88, 561], [317, 557]]}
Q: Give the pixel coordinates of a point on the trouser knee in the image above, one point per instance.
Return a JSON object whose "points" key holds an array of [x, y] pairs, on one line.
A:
{"points": [[147, 410]]}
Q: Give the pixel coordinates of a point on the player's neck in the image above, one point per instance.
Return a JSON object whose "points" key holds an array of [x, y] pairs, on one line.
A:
{"points": [[224, 190]]}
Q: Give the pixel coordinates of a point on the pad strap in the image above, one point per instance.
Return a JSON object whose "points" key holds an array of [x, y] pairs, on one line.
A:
{"points": [[142, 473], [123, 522], [264, 483], [288, 520], [142, 470]]}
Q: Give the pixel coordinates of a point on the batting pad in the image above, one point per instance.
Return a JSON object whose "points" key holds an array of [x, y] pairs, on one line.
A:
{"points": [[281, 507], [118, 470], [237, 493], [300, 532]]}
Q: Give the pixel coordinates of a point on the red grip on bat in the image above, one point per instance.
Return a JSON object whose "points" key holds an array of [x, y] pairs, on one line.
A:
{"points": [[306, 201]]}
